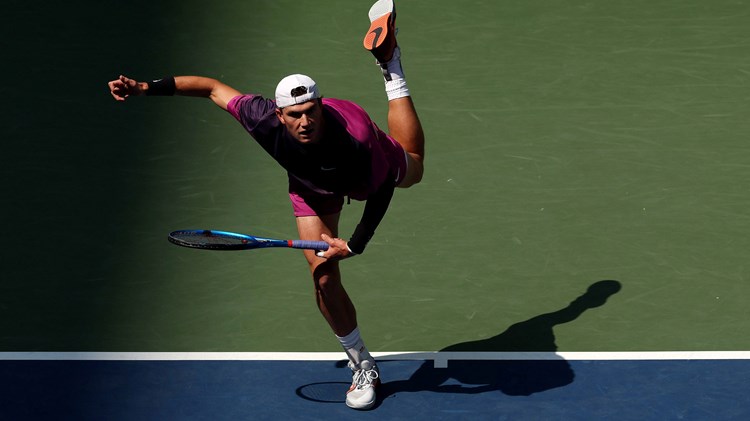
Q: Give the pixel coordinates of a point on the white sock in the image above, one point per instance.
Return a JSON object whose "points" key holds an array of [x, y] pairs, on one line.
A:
{"points": [[395, 82], [354, 347]]}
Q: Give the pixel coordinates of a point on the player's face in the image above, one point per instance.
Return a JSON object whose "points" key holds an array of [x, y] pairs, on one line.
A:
{"points": [[304, 121]]}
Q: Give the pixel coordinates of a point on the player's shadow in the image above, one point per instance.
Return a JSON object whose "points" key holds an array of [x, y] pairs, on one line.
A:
{"points": [[515, 378]]}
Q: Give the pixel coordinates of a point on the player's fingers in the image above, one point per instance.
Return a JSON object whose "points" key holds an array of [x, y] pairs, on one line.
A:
{"points": [[116, 84], [119, 93], [128, 82]]}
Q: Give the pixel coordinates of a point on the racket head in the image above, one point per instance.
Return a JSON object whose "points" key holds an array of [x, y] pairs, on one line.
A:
{"points": [[219, 240]]}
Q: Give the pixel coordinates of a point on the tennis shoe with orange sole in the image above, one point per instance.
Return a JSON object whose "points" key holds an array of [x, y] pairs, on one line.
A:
{"points": [[365, 381], [381, 37]]}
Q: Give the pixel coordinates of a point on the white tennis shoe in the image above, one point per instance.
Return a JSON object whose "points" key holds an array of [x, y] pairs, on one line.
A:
{"points": [[381, 37], [365, 380]]}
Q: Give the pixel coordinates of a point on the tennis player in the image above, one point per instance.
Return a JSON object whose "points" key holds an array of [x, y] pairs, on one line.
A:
{"points": [[332, 151]]}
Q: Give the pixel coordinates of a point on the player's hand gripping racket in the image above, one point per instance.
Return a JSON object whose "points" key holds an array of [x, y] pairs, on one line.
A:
{"points": [[222, 240]]}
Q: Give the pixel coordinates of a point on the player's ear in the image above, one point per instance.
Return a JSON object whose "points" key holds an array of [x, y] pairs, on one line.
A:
{"points": [[280, 115]]}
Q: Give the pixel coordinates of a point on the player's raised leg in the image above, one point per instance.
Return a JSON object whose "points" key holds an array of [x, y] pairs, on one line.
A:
{"points": [[405, 127], [403, 122]]}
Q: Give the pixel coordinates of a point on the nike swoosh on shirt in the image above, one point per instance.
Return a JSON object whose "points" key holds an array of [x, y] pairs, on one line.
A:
{"points": [[327, 169]]}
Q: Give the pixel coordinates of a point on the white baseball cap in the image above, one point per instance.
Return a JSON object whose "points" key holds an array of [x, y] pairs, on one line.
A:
{"points": [[295, 89]]}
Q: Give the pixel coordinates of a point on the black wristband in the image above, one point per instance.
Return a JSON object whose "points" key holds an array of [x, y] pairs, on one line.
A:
{"points": [[161, 87], [359, 239]]}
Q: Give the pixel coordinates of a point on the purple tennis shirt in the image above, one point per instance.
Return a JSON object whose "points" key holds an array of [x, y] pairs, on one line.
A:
{"points": [[354, 157]]}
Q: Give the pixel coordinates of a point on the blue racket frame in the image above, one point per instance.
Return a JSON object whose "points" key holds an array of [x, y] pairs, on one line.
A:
{"points": [[225, 240]]}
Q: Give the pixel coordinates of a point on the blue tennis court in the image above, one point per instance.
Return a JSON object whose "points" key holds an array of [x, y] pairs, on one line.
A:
{"points": [[513, 390]]}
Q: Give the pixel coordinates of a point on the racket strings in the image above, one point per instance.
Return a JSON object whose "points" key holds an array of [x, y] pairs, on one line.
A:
{"points": [[210, 239]]}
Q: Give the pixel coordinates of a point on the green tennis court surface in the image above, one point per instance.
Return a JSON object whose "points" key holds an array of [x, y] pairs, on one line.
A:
{"points": [[569, 143]]}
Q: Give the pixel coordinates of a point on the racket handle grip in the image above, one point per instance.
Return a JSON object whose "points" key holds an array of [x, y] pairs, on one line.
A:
{"points": [[310, 245]]}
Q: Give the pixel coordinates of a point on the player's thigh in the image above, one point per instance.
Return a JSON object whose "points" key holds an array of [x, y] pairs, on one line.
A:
{"points": [[311, 228]]}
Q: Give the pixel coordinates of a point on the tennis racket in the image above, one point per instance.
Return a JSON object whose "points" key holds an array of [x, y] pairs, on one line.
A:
{"points": [[222, 240]]}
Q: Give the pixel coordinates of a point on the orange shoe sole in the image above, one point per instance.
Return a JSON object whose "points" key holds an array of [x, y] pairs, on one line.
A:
{"points": [[377, 33]]}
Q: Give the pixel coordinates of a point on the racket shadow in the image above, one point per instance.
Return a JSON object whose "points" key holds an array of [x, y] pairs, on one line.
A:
{"points": [[511, 377]]}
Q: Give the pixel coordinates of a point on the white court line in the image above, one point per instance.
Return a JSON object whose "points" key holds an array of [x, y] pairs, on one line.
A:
{"points": [[440, 359]]}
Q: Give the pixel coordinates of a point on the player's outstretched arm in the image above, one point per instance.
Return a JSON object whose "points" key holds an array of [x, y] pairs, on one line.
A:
{"points": [[198, 86], [216, 91]]}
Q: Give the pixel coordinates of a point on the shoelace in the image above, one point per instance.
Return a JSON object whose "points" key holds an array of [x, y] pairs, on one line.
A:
{"points": [[364, 378]]}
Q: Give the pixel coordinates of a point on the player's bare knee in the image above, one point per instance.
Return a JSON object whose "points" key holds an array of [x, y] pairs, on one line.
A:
{"points": [[414, 173], [326, 276], [327, 284], [419, 171]]}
